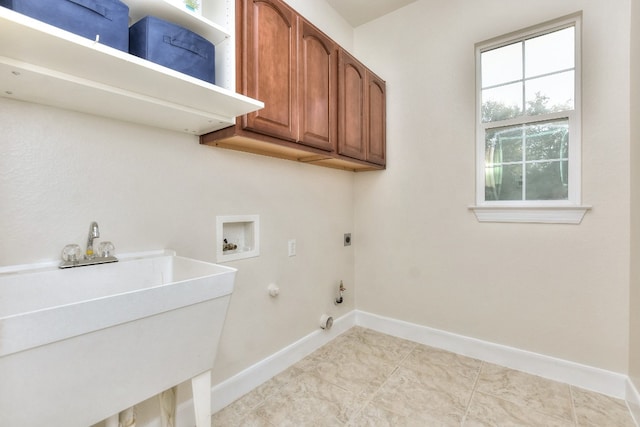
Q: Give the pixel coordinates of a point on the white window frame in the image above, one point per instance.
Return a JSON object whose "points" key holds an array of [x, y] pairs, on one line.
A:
{"points": [[569, 211]]}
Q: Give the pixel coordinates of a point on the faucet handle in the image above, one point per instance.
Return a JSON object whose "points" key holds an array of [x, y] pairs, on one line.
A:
{"points": [[106, 249], [72, 253]]}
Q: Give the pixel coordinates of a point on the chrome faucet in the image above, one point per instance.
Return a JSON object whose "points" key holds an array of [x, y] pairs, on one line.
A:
{"points": [[72, 254], [94, 233]]}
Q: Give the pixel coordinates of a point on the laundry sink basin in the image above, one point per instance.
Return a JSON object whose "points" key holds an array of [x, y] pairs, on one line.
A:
{"points": [[78, 345]]}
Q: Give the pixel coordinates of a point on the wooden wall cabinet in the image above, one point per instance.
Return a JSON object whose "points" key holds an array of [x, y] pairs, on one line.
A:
{"points": [[376, 120], [321, 105], [362, 127], [318, 88], [269, 67]]}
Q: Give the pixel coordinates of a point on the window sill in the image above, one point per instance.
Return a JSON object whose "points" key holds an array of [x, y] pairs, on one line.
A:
{"points": [[531, 214]]}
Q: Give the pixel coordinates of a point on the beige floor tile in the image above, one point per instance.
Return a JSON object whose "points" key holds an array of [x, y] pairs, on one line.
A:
{"points": [[373, 416], [443, 364], [486, 410], [249, 420], [227, 416], [364, 341], [364, 378], [357, 371], [419, 396], [595, 410], [546, 396], [308, 399], [258, 395], [384, 346]]}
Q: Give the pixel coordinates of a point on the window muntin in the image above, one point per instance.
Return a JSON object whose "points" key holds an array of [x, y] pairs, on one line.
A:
{"points": [[528, 123], [529, 77]]}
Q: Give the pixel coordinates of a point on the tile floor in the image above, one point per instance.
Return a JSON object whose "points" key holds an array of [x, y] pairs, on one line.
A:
{"points": [[364, 378]]}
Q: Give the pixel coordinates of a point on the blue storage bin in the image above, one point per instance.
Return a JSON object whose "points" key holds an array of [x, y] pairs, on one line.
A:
{"points": [[173, 46], [108, 19]]}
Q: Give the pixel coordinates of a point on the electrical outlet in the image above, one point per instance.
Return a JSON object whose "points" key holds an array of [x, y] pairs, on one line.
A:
{"points": [[347, 239], [292, 247]]}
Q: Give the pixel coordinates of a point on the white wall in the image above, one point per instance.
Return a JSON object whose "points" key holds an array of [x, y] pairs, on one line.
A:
{"points": [[422, 257], [634, 306], [323, 16]]}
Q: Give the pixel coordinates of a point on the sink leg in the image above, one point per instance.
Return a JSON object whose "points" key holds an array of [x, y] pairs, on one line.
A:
{"points": [[201, 386]]}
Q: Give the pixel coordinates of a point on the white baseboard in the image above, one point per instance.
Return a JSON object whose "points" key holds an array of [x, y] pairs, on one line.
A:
{"points": [[245, 381], [633, 401], [587, 377]]}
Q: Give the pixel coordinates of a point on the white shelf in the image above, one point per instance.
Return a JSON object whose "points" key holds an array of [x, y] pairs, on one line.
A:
{"points": [[43, 64], [173, 12]]}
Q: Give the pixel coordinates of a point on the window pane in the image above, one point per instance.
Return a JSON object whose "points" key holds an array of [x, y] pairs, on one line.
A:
{"points": [[546, 180], [550, 53], [545, 155], [501, 65], [504, 145], [502, 102], [548, 141], [550, 94], [506, 183]]}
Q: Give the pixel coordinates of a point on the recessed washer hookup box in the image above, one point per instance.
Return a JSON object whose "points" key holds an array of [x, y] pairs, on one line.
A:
{"points": [[105, 20], [174, 47]]}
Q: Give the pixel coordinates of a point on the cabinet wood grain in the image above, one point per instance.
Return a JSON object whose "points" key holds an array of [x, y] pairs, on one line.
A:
{"points": [[270, 74], [322, 106], [317, 74]]}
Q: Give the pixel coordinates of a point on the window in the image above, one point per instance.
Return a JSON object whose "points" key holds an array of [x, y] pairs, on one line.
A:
{"points": [[528, 125]]}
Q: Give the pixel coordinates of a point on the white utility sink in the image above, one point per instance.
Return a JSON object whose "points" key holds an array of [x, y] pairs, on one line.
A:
{"points": [[81, 344]]}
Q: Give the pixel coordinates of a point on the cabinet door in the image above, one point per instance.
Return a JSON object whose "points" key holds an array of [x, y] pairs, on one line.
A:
{"points": [[376, 120], [269, 67], [352, 129], [317, 93]]}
